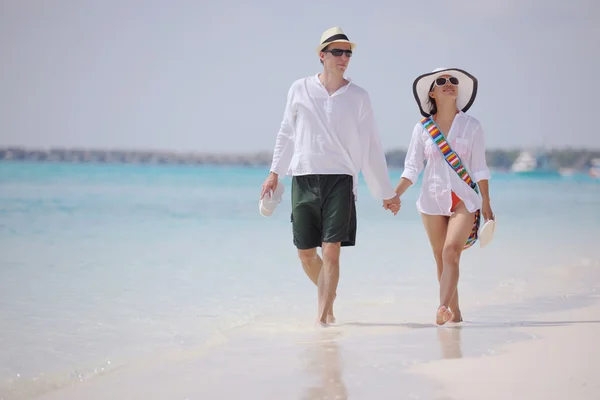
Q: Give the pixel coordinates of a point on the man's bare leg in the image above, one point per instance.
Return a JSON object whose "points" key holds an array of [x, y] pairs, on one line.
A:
{"points": [[328, 279], [312, 265]]}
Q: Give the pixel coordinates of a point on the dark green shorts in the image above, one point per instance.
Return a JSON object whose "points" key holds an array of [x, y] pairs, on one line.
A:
{"points": [[323, 210]]}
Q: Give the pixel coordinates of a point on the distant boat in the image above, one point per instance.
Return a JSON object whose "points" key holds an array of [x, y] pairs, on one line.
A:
{"points": [[528, 162], [525, 162], [581, 165], [567, 171], [594, 170]]}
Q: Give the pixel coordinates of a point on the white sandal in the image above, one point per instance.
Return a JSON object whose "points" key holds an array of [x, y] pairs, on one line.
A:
{"points": [[269, 202]]}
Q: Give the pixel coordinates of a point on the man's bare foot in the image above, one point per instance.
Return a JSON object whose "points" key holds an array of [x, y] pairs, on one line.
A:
{"points": [[320, 324], [330, 317], [443, 315]]}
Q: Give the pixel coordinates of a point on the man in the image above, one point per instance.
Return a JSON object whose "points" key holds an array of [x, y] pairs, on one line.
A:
{"points": [[328, 135]]}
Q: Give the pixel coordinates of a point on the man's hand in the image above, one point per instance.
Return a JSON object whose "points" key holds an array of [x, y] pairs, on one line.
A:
{"points": [[486, 211], [270, 184], [392, 204]]}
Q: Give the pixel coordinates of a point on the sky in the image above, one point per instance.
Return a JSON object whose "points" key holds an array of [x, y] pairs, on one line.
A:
{"points": [[212, 76]]}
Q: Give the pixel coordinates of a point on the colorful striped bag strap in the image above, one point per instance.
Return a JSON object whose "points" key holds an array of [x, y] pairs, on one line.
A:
{"points": [[456, 164]]}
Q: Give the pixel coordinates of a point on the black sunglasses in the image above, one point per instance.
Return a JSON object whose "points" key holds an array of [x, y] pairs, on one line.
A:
{"points": [[339, 52], [442, 81]]}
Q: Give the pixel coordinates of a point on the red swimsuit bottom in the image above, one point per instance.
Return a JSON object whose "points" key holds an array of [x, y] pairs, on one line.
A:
{"points": [[455, 201]]}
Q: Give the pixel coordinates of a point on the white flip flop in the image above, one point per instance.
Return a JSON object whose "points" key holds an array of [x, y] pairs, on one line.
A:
{"points": [[486, 232], [269, 202]]}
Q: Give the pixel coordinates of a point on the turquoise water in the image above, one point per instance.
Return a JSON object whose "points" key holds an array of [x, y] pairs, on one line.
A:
{"points": [[102, 265]]}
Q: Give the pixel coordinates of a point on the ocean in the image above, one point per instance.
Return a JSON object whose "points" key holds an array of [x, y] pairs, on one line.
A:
{"points": [[108, 266]]}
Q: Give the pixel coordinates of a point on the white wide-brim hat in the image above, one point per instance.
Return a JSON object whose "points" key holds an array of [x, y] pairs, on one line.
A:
{"points": [[334, 35], [467, 89]]}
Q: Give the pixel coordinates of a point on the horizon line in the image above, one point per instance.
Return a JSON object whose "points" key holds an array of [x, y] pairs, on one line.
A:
{"points": [[255, 152]]}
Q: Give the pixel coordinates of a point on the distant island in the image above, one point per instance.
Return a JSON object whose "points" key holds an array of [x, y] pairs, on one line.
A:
{"points": [[578, 159]]}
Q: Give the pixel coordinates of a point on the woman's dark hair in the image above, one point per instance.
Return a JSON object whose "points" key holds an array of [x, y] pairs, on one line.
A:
{"points": [[431, 101]]}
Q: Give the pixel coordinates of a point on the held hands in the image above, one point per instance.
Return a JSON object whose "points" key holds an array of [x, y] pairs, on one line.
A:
{"points": [[486, 210], [269, 185], [392, 204]]}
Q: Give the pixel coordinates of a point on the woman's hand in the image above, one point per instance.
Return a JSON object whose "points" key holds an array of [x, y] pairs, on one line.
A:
{"points": [[392, 204], [486, 210]]}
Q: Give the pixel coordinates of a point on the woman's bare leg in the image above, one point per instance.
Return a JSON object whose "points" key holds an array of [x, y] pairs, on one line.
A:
{"points": [[460, 225], [436, 227]]}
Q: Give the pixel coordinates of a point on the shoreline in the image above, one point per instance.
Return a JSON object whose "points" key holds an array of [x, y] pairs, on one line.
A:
{"points": [[551, 339]]}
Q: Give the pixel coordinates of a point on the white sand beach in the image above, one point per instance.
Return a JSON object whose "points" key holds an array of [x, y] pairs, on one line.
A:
{"points": [[561, 361]]}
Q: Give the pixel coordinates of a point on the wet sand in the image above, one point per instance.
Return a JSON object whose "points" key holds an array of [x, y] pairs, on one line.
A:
{"points": [[551, 355]]}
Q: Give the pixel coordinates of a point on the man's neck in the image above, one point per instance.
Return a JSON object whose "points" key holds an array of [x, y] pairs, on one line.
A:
{"points": [[332, 82]]}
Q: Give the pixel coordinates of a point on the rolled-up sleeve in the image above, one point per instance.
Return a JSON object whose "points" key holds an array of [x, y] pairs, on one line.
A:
{"points": [[284, 144], [415, 156], [374, 166], [479, 168]]}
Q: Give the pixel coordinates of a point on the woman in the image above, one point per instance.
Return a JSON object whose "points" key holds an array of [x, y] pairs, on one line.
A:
{"points": [[452, 198]]}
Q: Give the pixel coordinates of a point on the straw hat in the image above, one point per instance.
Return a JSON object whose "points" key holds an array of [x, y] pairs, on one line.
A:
{"points": [[467, 88], [334, 35]]}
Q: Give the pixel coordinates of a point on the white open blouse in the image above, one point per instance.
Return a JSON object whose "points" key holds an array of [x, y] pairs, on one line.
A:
{"points": [[466, 138]]}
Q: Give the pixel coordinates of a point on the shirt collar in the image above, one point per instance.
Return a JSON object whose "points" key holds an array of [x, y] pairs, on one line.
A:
{"points": [[340, 91]]}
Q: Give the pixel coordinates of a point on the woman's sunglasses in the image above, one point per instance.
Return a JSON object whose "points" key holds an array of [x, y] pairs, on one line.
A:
{"points": [[442, 81], [339, 52]]}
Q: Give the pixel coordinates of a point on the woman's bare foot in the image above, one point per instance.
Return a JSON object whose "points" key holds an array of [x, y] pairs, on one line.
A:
{"points": [[443, 315], [456, 316]]}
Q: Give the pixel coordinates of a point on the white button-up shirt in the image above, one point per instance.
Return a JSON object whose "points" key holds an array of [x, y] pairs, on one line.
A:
{"points": [[439, 179], [331, 134]]}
